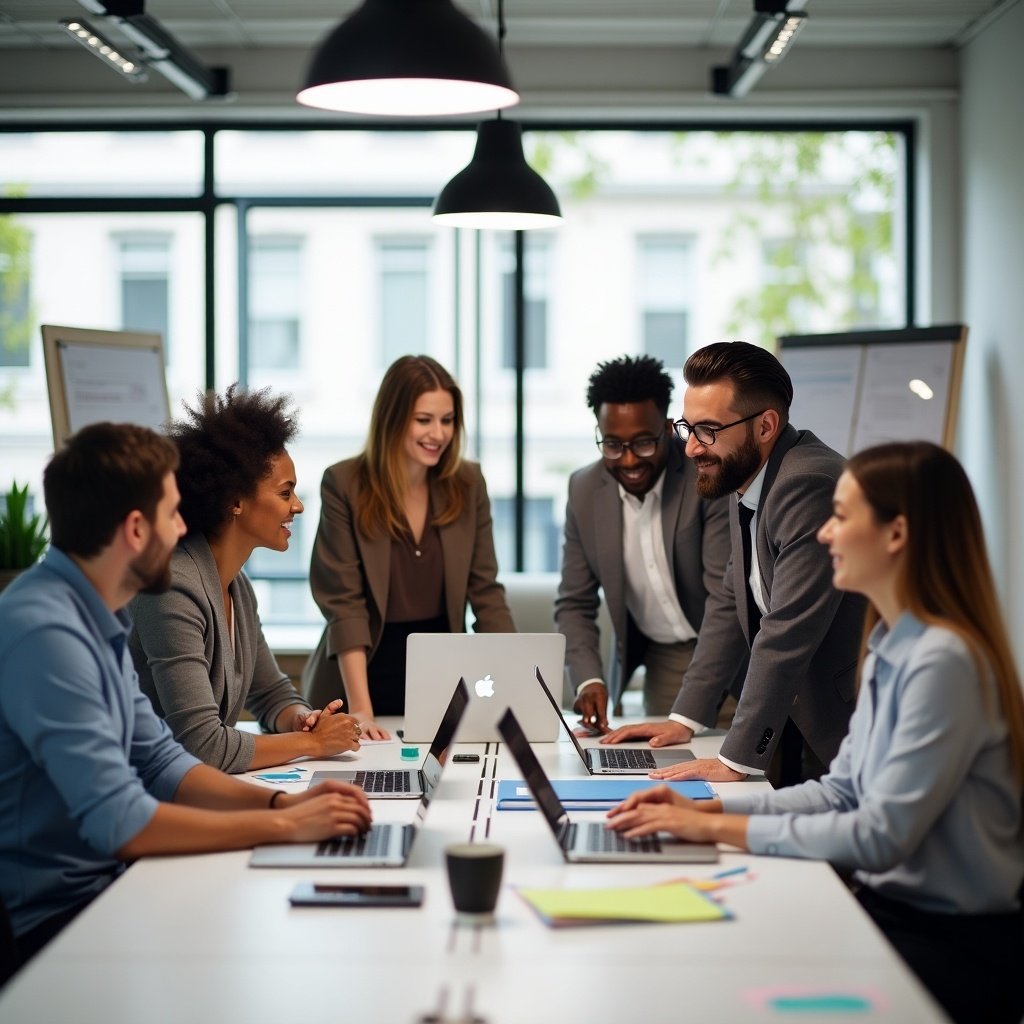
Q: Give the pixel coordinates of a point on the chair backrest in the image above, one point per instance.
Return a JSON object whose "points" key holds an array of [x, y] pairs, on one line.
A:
{"points": [[9, 961]]}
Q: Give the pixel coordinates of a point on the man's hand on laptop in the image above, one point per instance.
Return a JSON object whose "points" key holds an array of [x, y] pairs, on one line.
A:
{"points": [[592, 707], [661, 734], [328, 809], [710, 769]]}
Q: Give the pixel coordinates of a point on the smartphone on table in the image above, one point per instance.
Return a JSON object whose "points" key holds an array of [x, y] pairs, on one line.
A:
{"points": [[320, 894]]}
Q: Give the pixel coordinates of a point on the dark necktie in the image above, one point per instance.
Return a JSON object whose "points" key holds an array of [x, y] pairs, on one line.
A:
{"points": [[754, 613]]}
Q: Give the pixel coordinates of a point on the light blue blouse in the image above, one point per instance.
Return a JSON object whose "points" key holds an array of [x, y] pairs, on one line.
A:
{"points": [[921, 800]]}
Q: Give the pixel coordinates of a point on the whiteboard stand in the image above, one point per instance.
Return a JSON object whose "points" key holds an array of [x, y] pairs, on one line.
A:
{"points": [[94, 375]]}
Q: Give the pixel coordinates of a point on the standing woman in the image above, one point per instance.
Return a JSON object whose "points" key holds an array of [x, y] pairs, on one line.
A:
{"points": [[199, 647], [404, 543], [924, 799]]}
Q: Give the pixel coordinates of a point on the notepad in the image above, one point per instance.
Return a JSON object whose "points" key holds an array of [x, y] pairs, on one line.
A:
{"points": [[597, 794], [674, 902]]}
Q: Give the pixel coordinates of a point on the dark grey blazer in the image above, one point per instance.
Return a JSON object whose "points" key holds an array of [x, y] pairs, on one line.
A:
{"points": [[803, 661], [182, 652], [697, 544]]}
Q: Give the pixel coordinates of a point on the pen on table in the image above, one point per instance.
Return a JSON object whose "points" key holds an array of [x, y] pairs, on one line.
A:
{"points": [[729, 871]]}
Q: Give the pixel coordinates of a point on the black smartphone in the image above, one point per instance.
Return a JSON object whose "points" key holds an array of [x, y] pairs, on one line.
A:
{"points": [[316, 894], [465, 758]]}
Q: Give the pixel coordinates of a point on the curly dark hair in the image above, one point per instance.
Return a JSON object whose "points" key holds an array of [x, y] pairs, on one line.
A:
{"points": [[227, 445], [630, 379]]}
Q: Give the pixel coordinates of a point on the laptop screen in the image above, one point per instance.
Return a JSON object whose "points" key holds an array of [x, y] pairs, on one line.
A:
{"points": [[558, 711], [542, 790], [433, 765]]}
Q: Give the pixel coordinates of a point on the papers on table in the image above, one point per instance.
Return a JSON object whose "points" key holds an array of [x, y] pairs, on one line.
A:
{"points": [[593, 794]]}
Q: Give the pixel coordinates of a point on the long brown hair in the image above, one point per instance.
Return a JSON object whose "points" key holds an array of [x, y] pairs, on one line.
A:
{"points": [[946, 578], [381, 466]]}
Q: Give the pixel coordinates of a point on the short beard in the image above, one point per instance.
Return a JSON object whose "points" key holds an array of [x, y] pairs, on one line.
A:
{"points": [[733, 471], [151, 570]]}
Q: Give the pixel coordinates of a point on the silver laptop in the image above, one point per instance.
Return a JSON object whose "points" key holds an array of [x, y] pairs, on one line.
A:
{"points": [[590, 841], [606, 760], [498, 669], [405, 783], [386, 845]]}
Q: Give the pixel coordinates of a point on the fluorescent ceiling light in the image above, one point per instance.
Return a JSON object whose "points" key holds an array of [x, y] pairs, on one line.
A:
{"points": [[766, 40], [100, 46]]}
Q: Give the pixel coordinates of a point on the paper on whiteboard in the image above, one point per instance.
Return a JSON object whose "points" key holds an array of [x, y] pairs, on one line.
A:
{"points": [[825, 391]]}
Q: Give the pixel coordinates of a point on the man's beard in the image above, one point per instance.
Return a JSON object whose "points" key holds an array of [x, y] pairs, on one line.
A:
{"points": [[733, 471], [151, 570]]}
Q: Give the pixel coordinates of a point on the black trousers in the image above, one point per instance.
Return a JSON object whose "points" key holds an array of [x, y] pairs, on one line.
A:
{"points": [[971, 963], [386, 671], [26, 945]]}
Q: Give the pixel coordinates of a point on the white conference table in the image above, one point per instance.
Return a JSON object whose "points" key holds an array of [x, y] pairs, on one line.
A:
{"points": [[206, 938]]}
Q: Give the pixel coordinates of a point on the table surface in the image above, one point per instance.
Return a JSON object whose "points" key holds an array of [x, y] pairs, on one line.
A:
{"points": [[182, 939]]}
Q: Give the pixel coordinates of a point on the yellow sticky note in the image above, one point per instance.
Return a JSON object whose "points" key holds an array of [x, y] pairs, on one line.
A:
{"points": [[662, 903]]}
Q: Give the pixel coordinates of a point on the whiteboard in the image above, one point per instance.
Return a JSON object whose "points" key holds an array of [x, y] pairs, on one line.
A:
{"points": [[863, 388], [103, 375]]}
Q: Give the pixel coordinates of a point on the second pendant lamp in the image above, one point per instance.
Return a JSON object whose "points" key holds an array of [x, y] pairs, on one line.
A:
{"points": [[498, 189]]}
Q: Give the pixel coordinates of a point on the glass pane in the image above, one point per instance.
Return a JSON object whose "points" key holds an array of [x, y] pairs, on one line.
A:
{"points": [[80, 275], [88, 163]]}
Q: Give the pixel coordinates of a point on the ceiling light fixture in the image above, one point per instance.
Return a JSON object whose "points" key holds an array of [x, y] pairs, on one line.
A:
{"points": [[160, 50], [418, 58], [98, 44], [498, 189], [767, 38]]}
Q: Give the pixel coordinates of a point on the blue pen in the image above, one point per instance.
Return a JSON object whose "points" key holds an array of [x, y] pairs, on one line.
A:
{"points": [[729, 871], [292, 776]]}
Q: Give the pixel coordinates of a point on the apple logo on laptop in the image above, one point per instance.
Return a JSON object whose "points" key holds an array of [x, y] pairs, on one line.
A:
{"points": [[484, 687]]}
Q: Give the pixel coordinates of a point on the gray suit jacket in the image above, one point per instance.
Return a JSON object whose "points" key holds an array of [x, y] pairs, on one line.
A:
{"points": [[182, 652], [696, 535], [349, 574], [802, 664]]}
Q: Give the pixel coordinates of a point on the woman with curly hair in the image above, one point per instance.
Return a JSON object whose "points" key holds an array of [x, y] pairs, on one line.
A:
{"points": [[199, 647], [924, 803], [404, 542]]}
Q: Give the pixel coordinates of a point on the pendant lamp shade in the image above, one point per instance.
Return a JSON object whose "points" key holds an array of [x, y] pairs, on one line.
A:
{"points": [[408, 58], [498, 189]]}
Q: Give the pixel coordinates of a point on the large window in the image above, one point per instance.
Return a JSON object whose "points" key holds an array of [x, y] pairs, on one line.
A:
{"points": [[326, 266]]}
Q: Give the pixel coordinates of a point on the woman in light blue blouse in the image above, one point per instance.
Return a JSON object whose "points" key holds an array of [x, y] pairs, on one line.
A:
{"points": [[923, 803]]}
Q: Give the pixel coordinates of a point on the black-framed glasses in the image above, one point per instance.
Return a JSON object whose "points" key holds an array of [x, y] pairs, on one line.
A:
{"points": [[705, 433], [641, 447]]}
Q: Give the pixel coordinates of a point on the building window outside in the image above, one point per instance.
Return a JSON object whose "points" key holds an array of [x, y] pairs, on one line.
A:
{"points": [[666, 291], [281, 579], [403, 267], [541, 534], [145, 286], [536, 289], [275, 303]]}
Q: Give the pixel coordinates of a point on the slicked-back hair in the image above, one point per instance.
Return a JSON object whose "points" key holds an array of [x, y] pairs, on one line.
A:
{"points": [[630, 379], [945, 576], [381, 466], [101, 474], [758, 379], [227, 444]]}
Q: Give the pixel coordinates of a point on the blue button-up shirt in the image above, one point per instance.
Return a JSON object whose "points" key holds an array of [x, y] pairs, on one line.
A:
{"points": [[84, 760]]}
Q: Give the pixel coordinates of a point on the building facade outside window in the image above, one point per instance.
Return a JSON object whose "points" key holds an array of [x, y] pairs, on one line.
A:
{"points": [[666, 291], [276, 277], [145, 285], [403, 267]]}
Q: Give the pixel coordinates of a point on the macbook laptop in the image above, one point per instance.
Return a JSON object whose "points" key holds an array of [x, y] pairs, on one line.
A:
{"points": [[385, 845], [605, 760], [498, 669], [590, 841], [405, 783]]}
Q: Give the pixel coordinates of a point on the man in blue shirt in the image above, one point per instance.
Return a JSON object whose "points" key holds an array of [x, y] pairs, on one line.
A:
{"points": [[90, 776]]}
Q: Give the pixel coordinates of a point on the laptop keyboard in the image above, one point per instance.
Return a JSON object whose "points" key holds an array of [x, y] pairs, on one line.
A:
{"points": [[626, 758], [371, 844], [384, 781], [602, 840]]}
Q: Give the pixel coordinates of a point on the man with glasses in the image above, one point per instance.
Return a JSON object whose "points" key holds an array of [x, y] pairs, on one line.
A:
{"points": [[636, 529], [778, 612]]}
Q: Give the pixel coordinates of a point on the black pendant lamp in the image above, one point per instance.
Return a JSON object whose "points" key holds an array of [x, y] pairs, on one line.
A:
{"points": [[408, 58], [498, 189]]}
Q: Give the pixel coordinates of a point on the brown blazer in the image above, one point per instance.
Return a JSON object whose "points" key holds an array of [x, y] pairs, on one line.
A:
{"points": [[349, 575]]}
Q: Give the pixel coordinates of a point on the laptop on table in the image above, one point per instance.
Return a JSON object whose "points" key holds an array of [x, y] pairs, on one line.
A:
{"points": [[498, 669], [588, 842], [385, 845], [405, 783], [605, 760]]}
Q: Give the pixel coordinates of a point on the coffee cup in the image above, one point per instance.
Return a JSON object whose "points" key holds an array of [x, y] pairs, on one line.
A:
{"points": [[474, 876]]}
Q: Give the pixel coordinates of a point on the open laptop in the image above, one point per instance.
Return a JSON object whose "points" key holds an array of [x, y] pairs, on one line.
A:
{"points": [[405, 783], [385, 845], [498, 669], [589, 841], [606, 760]]}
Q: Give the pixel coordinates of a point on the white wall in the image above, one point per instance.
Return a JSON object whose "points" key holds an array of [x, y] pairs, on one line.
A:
{"points": [[992, 418]]}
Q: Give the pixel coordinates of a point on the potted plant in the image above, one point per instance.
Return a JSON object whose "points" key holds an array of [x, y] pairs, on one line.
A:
{"points": [[22, 536]]}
